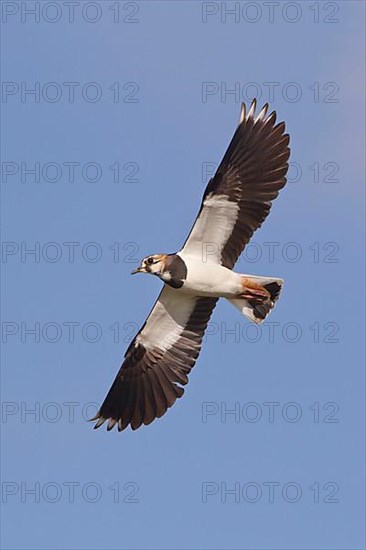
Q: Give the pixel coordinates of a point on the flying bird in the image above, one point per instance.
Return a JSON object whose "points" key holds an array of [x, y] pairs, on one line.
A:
{"points": [[235, 203]]}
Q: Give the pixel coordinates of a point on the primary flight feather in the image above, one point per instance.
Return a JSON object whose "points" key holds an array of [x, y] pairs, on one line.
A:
{"points": [[235, 203]]}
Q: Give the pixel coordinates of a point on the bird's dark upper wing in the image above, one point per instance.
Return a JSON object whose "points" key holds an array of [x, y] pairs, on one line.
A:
{"points": [[158, 361], [239, 196]]}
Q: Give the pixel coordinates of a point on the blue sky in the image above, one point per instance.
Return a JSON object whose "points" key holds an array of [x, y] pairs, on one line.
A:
{"points": [[142, 96]]}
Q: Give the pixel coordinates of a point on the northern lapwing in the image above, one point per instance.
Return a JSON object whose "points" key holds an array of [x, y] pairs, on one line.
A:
{"points": [[235, 203]]}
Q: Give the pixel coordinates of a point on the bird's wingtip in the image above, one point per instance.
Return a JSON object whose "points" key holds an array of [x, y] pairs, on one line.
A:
{"points": [[242, 113], [252, 108], [101, 421]]}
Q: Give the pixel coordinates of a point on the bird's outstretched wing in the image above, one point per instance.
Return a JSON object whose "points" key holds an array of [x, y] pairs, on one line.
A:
{"points": [[239, 196], [158, 361]]}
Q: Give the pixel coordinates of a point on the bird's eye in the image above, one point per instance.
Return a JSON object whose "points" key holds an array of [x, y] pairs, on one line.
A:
{"points": [[150, 261]]}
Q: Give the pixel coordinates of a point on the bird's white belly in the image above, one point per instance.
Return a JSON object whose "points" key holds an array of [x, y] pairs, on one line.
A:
{"points": [[210, 279]]}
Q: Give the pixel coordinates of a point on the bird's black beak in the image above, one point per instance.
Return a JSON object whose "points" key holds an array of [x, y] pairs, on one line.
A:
{"points": [[140, 269]]}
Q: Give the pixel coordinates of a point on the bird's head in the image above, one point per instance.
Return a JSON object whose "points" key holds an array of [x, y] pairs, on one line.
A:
{"points": [[154, 264]]}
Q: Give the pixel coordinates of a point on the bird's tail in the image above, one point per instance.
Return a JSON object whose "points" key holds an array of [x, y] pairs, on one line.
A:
{"points": [[259, 296]]}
